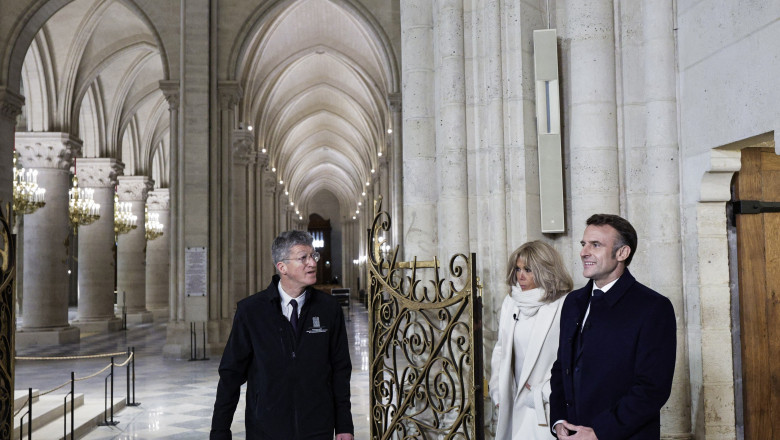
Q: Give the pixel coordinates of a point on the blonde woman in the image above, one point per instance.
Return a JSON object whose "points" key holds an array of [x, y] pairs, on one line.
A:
{"points": [[528, 341]]}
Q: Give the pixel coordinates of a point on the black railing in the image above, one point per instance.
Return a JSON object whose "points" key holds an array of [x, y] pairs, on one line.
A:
{"points": [[29, 417]]}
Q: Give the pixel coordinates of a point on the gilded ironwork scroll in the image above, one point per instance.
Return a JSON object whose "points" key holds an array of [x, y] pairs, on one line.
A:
{"points": [[7, 323], [425, 336]]}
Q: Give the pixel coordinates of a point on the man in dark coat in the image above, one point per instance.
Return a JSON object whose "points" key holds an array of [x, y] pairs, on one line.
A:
{"points": [[289, 344], [617, 345]]}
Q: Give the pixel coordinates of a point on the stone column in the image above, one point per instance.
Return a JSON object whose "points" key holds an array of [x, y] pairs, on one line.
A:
{"points": [[96, 248], [243, 158], [453, 190], [131, 252], [170, 90], [45, 317], [255, 219], [594, 176], [663, 188], [158, 263], [419, 134], [396, 171]]}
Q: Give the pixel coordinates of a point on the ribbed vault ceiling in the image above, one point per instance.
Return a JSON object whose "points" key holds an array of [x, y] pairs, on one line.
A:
{"points": [[94, 70], [316, 80]]}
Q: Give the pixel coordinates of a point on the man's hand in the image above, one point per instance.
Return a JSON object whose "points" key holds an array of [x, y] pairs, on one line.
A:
{"points": [[346, 436], [580, 432]]}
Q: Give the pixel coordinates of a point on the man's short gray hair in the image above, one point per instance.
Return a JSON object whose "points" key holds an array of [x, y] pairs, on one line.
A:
{"points": [[280, 249]]}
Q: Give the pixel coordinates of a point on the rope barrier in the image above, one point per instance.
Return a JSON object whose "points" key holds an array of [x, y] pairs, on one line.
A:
{"points": [[63, 358], [79, 379], [22, 406]]}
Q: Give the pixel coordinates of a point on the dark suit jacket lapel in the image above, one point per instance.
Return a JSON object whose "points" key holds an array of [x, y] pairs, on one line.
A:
{"points": [[582, 299]]}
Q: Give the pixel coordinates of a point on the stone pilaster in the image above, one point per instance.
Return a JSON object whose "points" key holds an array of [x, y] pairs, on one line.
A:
{"points": [[46, 241], [157, 262], [244, 158], [131, 252], [268, 228], [170, 90], [96, 248]]}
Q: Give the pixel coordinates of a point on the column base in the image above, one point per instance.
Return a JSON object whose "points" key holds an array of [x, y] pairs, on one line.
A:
{"points": [[144, 317], [98, 325], [54, 336], [161, 314]]}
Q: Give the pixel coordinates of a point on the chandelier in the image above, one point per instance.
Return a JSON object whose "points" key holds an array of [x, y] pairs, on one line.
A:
{"points": [[82, 209], [28, 196], [124, 219], [154, 228]]}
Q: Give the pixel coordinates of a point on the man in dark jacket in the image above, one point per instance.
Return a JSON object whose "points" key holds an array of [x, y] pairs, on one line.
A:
{"points": [[289, 344], [617, 345]]}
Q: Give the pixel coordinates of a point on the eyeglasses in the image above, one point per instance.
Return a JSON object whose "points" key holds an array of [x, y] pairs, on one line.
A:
{"points": [[314, 256]]}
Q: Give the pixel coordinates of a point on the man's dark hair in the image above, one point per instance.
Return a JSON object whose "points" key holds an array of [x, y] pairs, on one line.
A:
{"points": [[626, 232], [280, 249]]}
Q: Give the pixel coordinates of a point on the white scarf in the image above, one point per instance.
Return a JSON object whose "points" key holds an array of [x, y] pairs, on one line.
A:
{"points": [[527, 301]]}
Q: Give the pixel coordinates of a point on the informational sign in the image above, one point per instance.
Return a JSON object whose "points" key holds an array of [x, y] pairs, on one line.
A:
{"points": [[195, 271]]}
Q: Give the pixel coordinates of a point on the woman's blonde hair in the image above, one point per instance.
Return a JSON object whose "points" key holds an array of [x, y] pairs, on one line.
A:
{"points": [[547, 266]]}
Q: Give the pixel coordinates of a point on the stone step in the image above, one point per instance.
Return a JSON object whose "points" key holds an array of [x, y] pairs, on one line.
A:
{"points": [[47, 409], [86, 418], [20, 397]]}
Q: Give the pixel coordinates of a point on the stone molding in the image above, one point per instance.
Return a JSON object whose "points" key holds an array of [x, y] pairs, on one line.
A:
{"points": [[11, 104], [47, 150], [170, 89], [159, 200], [230, 93], [244, 147], [98, 172], [134, 188]]}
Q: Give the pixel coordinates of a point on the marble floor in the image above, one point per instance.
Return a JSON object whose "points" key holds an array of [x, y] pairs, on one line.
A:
{"points": [[176, 396]]}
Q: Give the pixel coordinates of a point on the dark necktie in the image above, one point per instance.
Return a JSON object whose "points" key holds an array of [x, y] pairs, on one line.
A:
{"points": [[585, 325], [294, 315]]}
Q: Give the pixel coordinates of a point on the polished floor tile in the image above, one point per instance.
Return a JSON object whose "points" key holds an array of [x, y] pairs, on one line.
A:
{"points": [[176, 396]]}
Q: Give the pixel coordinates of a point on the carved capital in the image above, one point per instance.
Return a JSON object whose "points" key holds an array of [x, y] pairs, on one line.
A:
{"points": [[269, 183], [134, 188], [10, 104], [170, 89], [262, 160], [230, 93], [98, 172], [394, 99], [159, 200], [47, 150], [244, 147]]}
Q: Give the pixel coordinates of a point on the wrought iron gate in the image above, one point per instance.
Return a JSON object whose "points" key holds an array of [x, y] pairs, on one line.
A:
{"points": [[426, 344]]}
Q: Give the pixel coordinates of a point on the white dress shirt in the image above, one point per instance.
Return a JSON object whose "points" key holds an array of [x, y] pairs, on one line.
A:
{"points": [[286, 306]]}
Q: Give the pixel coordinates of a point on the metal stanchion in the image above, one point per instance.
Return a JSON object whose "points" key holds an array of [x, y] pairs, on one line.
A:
{"points": [[194, 343], [29, 417], [108, 405], [132, 363], [65, 409]]}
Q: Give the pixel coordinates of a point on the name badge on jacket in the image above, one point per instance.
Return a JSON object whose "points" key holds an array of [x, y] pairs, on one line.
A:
{"points": [[316, 326]]}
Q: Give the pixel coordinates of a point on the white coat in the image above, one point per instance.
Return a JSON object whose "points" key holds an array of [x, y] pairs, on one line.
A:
{"points": [[527, 413]]}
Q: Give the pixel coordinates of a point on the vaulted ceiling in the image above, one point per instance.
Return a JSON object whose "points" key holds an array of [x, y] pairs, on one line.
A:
{"points": [[316, 76]]}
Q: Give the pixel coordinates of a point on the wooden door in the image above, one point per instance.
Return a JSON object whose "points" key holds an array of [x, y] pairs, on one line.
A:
{"points": [[758, 253]]}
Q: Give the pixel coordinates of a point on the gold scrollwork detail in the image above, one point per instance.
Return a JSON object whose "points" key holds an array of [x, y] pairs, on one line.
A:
{"points": [[425, 344]]}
